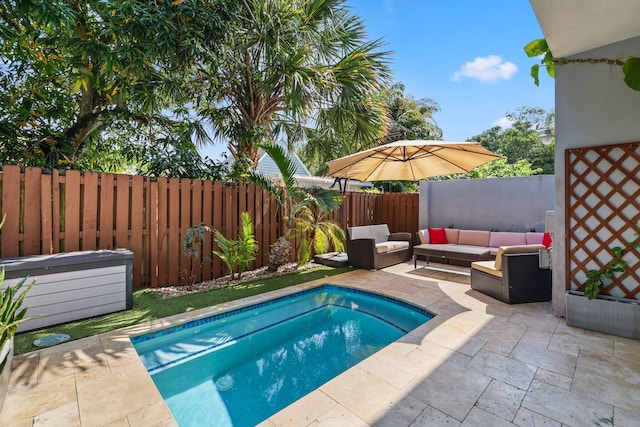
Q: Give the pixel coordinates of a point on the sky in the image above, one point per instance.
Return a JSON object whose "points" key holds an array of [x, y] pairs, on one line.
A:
{"points": [[466, 55]]}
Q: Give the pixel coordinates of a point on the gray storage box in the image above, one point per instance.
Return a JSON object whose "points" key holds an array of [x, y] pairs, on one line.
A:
{"points": [[73, 285]]}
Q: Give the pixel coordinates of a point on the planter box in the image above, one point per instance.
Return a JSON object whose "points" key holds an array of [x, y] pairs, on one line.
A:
{"points": [[6, 358], [610, 315], [73, 285]]}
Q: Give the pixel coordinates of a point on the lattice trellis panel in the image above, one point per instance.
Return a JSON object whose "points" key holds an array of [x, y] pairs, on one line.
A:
{"points": [[603, 211]]}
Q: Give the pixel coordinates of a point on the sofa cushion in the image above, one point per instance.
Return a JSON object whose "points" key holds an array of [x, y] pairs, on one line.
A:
{"points": [[423, 235], [379, 232], [519, 249], [488, 267], [392, 245], [452, 235], [437, 236], [474, 237], [504, 238], [534, 238]]}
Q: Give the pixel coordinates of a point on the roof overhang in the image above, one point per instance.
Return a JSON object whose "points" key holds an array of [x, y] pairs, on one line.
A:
{"points": [[574, 26]]}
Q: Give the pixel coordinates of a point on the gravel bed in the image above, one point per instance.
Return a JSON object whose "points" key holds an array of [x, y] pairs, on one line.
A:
{"points": [[221, 282]]}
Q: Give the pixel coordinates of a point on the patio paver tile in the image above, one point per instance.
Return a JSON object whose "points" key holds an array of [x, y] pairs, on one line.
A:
{"points": [[451, 389], [511, 371], [569, 408], [356, 388], [550, 360], [501, 399], [553, 379], [65, 415], [527, 418], [30, 402], [403, 413], [613, 382], [480, 418], [431, 417], [304, 411]]}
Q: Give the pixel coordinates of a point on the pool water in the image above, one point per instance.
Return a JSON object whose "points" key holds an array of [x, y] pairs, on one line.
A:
{"points": [[239, 368]]}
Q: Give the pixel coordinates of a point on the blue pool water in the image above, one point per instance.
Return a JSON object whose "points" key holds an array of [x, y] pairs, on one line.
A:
{"points": [[239, 368]]}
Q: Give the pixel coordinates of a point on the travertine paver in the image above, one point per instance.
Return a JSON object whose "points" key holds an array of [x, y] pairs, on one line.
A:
{"points": [[479, 362]]}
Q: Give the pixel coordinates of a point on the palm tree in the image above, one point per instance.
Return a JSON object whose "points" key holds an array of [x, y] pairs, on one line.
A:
{"points": [[301, 209], [287, 64]]}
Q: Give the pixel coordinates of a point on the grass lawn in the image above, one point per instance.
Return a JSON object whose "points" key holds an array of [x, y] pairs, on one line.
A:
{"points": [[148, 305]]}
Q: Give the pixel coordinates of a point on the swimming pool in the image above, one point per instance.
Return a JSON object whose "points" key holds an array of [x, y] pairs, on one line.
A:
{"points": [[239, 368]]}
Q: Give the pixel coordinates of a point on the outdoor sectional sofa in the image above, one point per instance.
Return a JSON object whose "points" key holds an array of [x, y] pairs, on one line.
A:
{"points": [[372, 247], [514, 277], [447, 244]]}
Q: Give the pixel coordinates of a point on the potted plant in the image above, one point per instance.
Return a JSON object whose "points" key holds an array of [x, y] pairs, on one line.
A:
{"points": [[603, 313], [12, 315]]}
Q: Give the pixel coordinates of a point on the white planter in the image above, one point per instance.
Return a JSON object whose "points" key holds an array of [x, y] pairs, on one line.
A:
{"points": [[610, 315], [6, 357]]}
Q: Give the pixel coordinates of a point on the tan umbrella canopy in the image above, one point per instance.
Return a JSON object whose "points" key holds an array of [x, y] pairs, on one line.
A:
{"points": [[411, 161]]}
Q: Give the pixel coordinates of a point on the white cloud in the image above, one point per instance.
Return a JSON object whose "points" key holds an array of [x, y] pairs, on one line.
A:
{"points": [[487, 69], [504, 123]]}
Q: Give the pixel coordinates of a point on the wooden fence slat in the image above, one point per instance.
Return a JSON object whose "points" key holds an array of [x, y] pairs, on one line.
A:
{"points": [[11, 183], [106, 225], [57, 209], [219, 211], [196, 218], [90, 212], [31, 222], [137, 229], [173, 243], [184, 269], [207, 218], [72, 211], [122, 212], [163, 231], [46, 224]]}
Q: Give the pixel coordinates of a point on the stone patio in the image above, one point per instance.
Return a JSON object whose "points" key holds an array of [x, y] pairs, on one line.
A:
{"points": [[479, 362]]}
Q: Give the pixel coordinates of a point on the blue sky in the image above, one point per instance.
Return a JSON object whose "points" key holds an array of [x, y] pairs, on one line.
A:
{"points": [[466, 55]]}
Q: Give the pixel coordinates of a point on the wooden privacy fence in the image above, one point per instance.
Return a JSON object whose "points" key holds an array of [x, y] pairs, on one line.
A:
{"points": [[64, 211]]}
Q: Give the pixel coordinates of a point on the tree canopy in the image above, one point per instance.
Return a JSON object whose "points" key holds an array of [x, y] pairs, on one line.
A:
{"points": [[78, 73], [287, 66], [522, 140]]}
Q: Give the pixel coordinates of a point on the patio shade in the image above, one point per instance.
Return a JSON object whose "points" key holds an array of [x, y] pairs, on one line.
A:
{"points": [[411, 160]]}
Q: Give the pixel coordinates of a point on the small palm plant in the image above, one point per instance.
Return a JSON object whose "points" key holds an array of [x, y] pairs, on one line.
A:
{"points": [[317, 235], [237, 253], [11, 311], [297, 206]]}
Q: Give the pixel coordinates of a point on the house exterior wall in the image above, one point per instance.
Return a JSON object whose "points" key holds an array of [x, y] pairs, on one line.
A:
{"points": [[503, 204], [593, 107]]}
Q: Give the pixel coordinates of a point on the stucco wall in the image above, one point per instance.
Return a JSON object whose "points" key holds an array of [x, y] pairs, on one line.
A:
{"points": [[503, 204], [593, 107]]}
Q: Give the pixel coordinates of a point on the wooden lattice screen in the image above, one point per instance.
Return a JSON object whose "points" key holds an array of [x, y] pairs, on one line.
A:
{"points": [[602, 211]]}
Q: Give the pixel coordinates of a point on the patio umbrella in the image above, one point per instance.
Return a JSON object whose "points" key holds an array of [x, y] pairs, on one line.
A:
{"points": [[411, 160]]}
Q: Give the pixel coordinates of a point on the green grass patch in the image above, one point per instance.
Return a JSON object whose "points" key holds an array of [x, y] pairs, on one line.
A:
{"points": [[148, 305]]}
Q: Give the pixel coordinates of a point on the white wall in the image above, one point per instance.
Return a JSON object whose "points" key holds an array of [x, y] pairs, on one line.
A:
{"points": [[593, 107]]}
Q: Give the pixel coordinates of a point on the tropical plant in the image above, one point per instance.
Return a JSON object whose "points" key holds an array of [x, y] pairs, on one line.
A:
{"points": [[237, 253], [317, 234], [405, 118], [521, 141], [73, 71], [286, 63], [191, 243], [597, 278], [539, 48], [11, 301], [293, 202]]}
